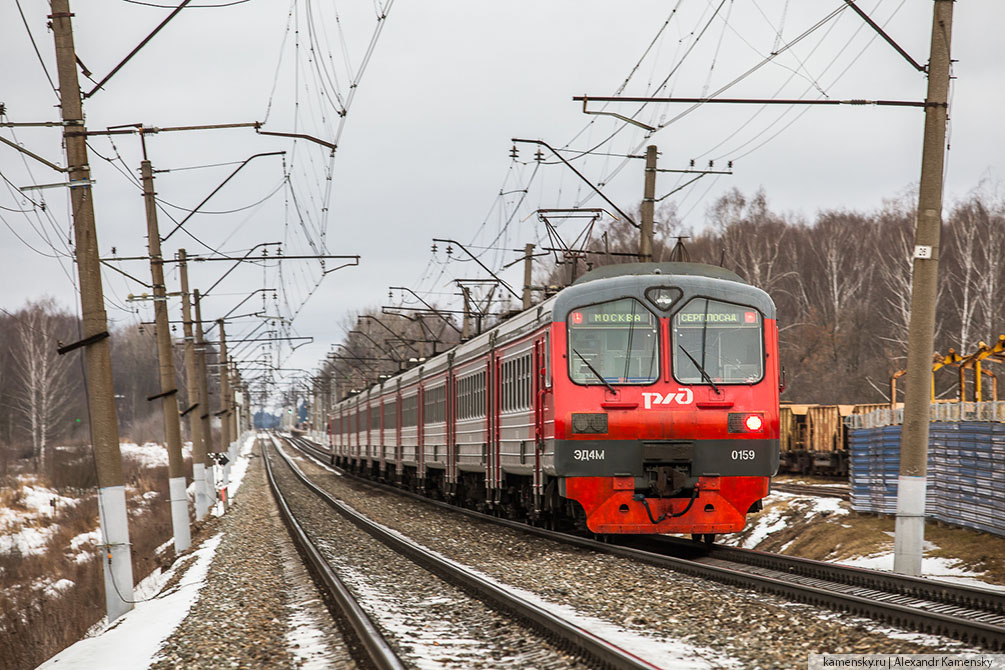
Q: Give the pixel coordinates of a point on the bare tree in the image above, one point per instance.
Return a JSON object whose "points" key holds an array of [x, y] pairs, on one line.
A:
{"points": [[43, 374], [896, 238], [754, 241], [961, 250], [986, 212]]}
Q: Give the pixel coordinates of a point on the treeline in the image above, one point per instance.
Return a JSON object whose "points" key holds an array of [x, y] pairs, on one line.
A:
{"points": [[842, 283], [42, 394]]}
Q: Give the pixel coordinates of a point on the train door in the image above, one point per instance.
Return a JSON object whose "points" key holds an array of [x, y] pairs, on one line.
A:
{"points": [[368, 434], [538, 390], [381, 456], [397, 433], [450, 412], [495, 433], [420, 455], [487, 457]]}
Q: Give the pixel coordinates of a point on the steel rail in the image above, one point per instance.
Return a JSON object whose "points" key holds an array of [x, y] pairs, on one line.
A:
{"points": [[593, 647], [808, 489], [378, 650], [934, 591], [934, 607]]}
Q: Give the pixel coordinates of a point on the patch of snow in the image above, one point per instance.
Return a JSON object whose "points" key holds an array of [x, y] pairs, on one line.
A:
{"points": [[55, 589], [933, 567], [82, 546], [36, 500], [767, 523], [148, 455], [143, 629], [827, 506], [306, 641], [944, 645], [84, 538], [29, 541]]}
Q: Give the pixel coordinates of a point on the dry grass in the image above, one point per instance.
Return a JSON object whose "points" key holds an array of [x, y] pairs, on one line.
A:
{"points": [[35, 624], [839, 537]]}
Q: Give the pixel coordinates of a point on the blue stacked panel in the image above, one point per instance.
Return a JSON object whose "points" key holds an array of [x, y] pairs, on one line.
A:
{"points": [[966, 472]]}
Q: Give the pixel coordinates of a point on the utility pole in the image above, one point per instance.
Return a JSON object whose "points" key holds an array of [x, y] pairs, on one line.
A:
{"points": [[197, 404], [207, 427], [466, 323], [117, 558], [910, 527], [224, 410], [165, 359], [648, 207], [235, 385], [528, 271], [225, 436]]}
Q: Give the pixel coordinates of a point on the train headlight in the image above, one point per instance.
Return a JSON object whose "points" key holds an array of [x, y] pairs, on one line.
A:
{"points": [[589, 423], [663, 297], [745, 423]]}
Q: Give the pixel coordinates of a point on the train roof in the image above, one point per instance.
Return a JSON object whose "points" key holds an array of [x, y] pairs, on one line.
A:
{"points": [[695, 280], [698, 278], [691, 269]]}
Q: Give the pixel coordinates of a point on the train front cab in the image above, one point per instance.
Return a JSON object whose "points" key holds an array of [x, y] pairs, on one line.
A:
{"points": [[666, 400]]}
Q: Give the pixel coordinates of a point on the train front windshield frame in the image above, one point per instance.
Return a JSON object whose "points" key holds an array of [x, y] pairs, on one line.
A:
{"points": [[722, 340], [615, 342]]}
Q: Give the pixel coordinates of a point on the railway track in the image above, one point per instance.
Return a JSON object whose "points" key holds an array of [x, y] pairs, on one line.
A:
{"points": [[368, 636], [809, 489], [592, 648], [973, 615]]}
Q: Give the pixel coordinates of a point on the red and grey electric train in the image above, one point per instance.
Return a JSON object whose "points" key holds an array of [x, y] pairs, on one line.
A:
{"points": [[641, 399]]}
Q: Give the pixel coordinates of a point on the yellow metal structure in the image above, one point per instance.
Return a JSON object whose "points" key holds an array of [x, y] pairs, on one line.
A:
{"points": [[974, 361]]}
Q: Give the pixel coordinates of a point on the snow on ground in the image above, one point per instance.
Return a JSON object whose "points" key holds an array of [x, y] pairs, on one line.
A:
{"points": [[154, 618], [21, 523], [148, 455], [777, 517], [932, 567], [142, 630], [83, 546], [28, 541]]}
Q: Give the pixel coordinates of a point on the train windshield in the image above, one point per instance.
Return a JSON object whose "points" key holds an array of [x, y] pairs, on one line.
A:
{"points": [[717, 343], [613, 343]]}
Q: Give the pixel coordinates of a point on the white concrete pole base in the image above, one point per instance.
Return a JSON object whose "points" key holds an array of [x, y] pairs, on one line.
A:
{"points": [[202, 499], [909, 532], [179, 514], [118, 569]]}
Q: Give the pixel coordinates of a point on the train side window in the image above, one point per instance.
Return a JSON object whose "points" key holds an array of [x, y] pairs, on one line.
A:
{"points": [[409, 411], [525, 364], [718, 341]]}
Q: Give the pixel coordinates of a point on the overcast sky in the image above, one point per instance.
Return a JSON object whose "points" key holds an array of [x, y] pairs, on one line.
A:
{"points": [[424, 148]]}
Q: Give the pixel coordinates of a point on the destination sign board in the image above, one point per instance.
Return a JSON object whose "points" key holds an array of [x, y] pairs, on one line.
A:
{"points": [[626, 313], [704, 313]]}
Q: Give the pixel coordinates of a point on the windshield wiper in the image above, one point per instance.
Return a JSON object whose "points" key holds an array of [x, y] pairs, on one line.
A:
{"points": [[594, 371], [700, 369]]}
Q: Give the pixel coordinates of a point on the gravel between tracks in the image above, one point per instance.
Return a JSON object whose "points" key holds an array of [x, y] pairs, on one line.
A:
{"points": [[739, 628], [431, 624], [258, 607]]}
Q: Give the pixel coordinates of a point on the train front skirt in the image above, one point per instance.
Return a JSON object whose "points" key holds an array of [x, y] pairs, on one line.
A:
{"points": [[719, 506]]}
